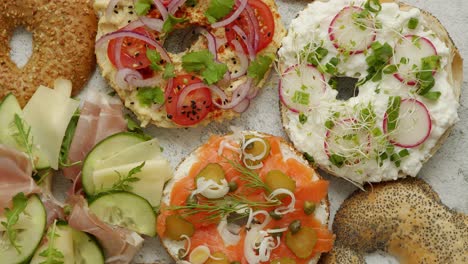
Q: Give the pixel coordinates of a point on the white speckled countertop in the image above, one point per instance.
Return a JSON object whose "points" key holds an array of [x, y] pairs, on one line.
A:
{"points": [[446, 172]]}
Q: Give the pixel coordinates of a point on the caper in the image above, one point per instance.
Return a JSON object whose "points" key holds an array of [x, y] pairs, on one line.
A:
{"points": [[303, 242], [309, 208], [295, 226], [176, 227], [275, 215], [218, 258], [191, 200], [283, 261], [181, 253], [212, 171], [276, 179], [233, 186]]}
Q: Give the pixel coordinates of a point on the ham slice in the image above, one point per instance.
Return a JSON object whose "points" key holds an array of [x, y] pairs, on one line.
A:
{"points": [[100, 117], [15, 176], [120, 245]]}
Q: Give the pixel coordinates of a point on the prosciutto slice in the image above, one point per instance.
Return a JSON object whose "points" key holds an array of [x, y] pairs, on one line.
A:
{"points": [[120, 245], [15, 176], [100, 117]]}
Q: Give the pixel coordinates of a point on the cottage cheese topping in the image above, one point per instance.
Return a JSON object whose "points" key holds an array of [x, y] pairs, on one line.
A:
{"points": [[310, 135]]}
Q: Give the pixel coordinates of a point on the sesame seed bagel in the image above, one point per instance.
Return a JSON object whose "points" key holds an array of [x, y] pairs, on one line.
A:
{"points": [[63, 45], [189, 165], [124, 15], [404, 218], [369, 159]]}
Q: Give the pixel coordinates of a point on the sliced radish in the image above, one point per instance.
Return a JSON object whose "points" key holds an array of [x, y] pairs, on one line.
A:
{"points": [[347, 139], [408, 54], [413, 125], [301, 86], [347, 34]]}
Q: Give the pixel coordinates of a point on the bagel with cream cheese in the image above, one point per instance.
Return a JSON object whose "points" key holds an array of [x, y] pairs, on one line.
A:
{"points": [[186, 63], [408, 76], [221, 203], [63, 47]]}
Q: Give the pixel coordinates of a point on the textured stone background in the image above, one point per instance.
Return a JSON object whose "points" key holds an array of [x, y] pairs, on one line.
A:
{"points": [[446, 172]]}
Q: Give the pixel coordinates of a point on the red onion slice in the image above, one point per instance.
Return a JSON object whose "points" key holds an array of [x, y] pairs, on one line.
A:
{"points": [[188, 90], [131, 34], [242, 106], [239, 94], [133, 25], [244, 61], [161, 8], [255, 25], [220, 93], [110, 7], [234, 16], [243, 36], [152, 23], [211, 41], [124, 75], [174, 6]]}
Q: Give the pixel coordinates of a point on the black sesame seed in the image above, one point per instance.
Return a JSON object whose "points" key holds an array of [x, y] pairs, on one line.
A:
{"points": [[169, 116]]}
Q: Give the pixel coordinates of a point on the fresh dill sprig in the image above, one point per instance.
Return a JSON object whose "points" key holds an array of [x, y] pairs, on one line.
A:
{"points": [[52, 254], [251, 177], [23, 138], [12, 215], [123, 184]]}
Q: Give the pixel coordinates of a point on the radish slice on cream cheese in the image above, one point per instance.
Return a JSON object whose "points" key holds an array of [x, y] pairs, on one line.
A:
{"points": [[413, 126], [409, 52], [350, 33], [301, 86]]}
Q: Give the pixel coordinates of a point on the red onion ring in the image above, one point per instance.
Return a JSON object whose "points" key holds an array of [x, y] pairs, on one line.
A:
{"points": [[152, 23], [110, 7], [188, 90], [169, 85], [220, 93], [131, 34], [243, 36], [242, 106], [220, 42], [211, 41], [161, 8], [253, 93], [234, 16], [174, 6], [244, 61], [124, 75], [255, 25], [133, 25], [239, 94]]}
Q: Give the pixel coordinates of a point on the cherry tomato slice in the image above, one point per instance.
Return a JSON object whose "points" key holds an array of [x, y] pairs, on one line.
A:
{"points": [[196, 106], [133, 53], [265, 20]]}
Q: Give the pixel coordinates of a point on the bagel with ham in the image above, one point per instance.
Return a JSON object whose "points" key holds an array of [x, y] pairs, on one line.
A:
{"points": [[408, 76], [221, 204]]}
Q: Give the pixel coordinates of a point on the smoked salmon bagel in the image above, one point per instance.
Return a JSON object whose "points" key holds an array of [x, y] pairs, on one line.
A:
{"points": [[63, 45], [404, 218], [247, 197], [369, 90], [186, 63]]}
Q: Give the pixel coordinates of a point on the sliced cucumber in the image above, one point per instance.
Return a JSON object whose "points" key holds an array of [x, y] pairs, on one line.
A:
{"points": [[31, 225], [62, 242], [87, 250], [126, 210], [10, 107], [103, 150]]}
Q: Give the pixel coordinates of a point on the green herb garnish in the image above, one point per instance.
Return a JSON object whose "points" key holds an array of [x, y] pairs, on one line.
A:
{"points": [[155, 58], [171, 21], [301, 98], [52, 254], [169, 71], [302, 118], [425, 76], [413, 23], [123, 184], [24, 138], [259, 67], [67, 140], [337, 160], [373, 6], [393, 112], [218, 9], [377, 61], [142, 7], [148, 96], [12, 216], [203, 62], [250, 176]]}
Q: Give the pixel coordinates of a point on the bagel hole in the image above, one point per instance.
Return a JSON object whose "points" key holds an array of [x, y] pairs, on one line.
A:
{"points": [[180, 40], [21, 46], [346, 87]]}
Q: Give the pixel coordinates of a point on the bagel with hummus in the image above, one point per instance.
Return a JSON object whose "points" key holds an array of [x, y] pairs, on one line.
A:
{"points": [[408, 76], [63, 47], [246, 197], [226, 50], [404, 218]]}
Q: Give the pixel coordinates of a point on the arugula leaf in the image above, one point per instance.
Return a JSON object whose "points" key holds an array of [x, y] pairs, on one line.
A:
{"points": [[148, 95], [67, 140], [123, 184], [171, 21], [132, 125], [204, 63], [258, 67], [169, 71], [142, 7], [52, 254], [12, 215], [24, 139], [155, 58], [393, 112], [218, 9]]}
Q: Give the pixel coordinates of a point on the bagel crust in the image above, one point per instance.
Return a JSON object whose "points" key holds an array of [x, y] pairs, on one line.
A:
{"points": [[63, 45], [404, 218], [369, 160]]}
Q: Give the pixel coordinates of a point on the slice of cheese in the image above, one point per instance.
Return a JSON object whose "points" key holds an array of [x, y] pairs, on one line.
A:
{"points": [[151, 181], [48, 113]]}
